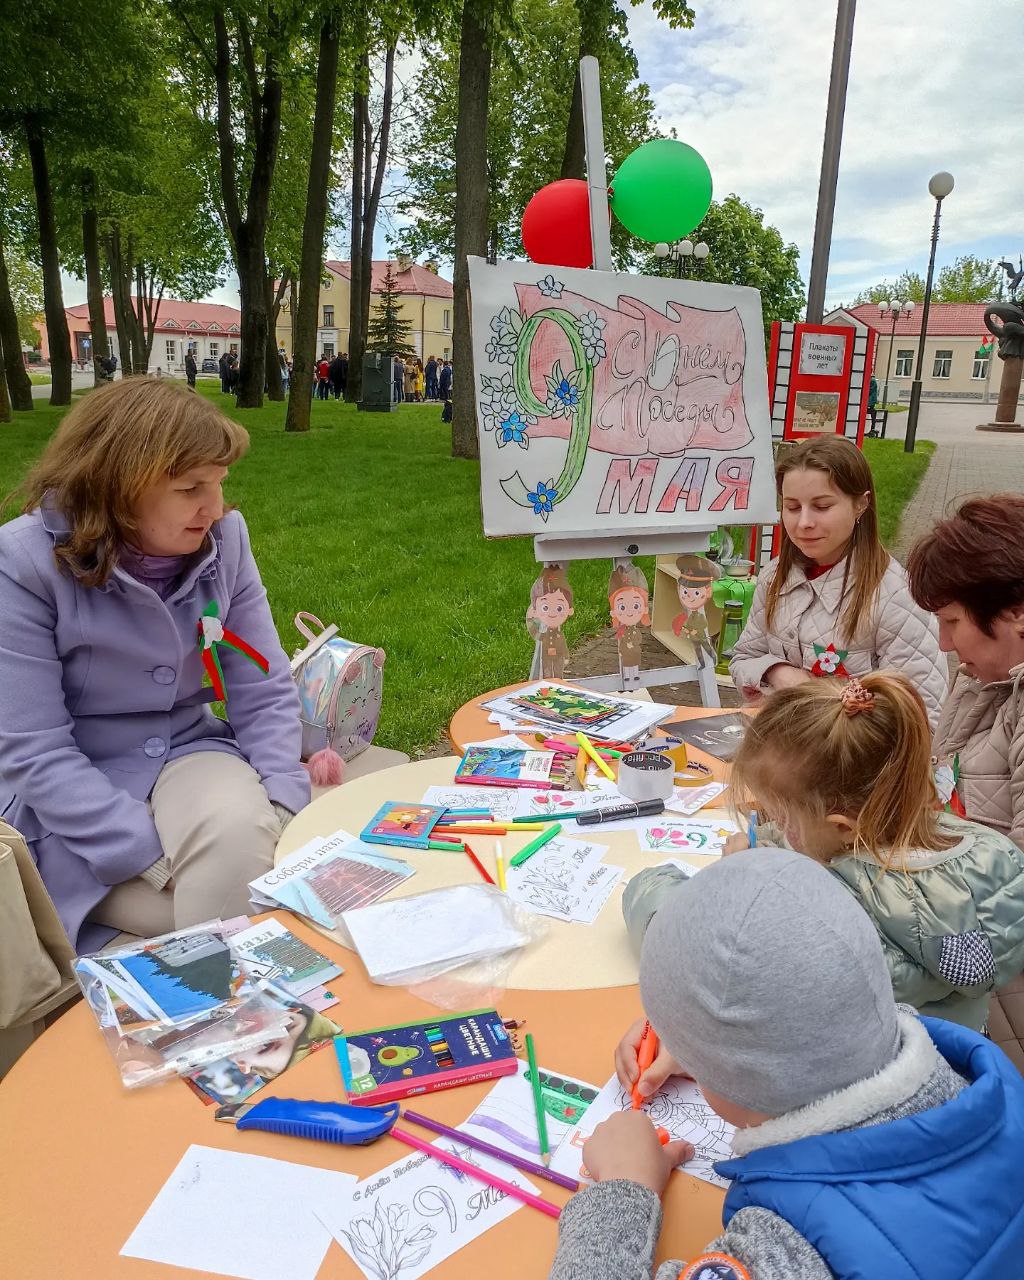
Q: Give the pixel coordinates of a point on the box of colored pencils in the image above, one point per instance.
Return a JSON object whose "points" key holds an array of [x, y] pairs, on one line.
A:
{"points": [[515, 767], [387, 1063]]}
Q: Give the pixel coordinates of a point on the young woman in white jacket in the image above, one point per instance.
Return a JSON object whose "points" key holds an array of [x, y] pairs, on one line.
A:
{"points": [[834, 602]]}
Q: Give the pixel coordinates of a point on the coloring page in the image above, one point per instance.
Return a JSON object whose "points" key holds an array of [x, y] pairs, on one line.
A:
{"points": [[565, 879], [666, 834], [507, 1118], [679, 1107], [688, 868], [411, 1216], [505, 740], [501, 802]]}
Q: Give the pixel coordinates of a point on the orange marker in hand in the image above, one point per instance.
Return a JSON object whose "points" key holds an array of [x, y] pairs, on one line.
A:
{"points": [[646, 1052]]}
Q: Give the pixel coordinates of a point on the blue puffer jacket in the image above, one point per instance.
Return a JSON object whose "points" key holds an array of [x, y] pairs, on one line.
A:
{"points": [[935, 1196]]}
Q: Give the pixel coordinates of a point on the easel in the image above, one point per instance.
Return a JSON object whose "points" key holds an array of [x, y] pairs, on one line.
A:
{"points": [[619, 547]]}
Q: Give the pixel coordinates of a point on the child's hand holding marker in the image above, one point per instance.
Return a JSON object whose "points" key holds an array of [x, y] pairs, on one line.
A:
{"points": [[627, 1145], [629, 1074]]}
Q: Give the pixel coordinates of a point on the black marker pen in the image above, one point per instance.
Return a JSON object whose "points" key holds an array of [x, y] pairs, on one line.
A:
{"points": [[640, 809]]}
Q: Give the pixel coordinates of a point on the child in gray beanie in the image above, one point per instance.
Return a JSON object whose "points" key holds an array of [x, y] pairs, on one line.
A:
{"points": [[869, 1142]]}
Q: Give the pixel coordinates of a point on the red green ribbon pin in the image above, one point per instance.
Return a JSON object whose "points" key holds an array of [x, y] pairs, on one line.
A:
{"points": [[829, 661], [213, 633]]}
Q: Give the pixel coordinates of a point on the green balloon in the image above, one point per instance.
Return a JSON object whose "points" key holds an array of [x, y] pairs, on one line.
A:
{"points": [[662, 190]]}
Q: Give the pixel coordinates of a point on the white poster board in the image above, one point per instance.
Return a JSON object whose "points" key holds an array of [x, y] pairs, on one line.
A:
{"points": [[611, 403], [823, 354]]}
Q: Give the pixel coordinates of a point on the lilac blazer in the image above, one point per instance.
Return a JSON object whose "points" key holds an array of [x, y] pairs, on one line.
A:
{"points": [[100, 687]]}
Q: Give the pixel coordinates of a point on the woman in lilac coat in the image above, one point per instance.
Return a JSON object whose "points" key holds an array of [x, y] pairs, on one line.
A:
{"points": [[143, 810]]}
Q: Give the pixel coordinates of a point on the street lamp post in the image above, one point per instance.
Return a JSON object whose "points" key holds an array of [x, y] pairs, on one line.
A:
{"points": [[895, 309], [939, 185], [680, 251]]}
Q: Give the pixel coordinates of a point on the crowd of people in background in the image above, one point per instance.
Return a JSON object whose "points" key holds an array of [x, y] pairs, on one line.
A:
{"points": [[416, 383]]}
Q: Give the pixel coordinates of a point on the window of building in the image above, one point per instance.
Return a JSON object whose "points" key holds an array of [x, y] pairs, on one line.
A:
{"points": [[904, 364], [447, 321], [328, 317], [447, 353], [980, 367], [214, 350], [328, 350], [172, 351], [943, 364], [234, 348]]}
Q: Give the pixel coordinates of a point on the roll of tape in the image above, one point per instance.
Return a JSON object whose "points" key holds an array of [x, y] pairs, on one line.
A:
{"points": [[646, 775]]}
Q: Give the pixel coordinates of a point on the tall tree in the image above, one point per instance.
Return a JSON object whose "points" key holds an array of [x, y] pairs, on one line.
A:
{"points": [[388, 329], [908, 287], [743, 250], [93, 274], [20, 305], [472, 220], [602, 31], [311, 267], [59, 91], [369, 165], [968, 279]]}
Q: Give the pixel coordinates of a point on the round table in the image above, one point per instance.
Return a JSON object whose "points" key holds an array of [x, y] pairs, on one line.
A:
{"points": [[84, 1157]]}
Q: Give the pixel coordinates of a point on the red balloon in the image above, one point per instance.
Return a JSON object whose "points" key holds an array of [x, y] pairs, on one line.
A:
{"points": [[556, 225]]}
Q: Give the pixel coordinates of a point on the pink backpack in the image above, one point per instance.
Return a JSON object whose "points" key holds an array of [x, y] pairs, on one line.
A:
{"points": [[340, 688]]}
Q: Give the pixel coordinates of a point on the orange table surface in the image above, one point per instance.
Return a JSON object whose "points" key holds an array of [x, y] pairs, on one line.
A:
{"points": [[471, 724], [83, 1157]]}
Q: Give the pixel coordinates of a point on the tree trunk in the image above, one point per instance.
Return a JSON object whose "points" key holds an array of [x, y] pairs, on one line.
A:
{"points": [[119, 296], [356, 316], [471, 209], [314, 224], [374, 171], [17, 379], [252, 292], [574, 157], [5, 399], [57, 333], [93, 275], [275, 387]]}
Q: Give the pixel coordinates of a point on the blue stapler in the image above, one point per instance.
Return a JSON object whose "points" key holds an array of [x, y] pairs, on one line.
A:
{"points": [[335, 1122]]}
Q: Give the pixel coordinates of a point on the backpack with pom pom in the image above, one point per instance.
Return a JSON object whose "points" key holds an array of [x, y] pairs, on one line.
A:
{"points": [[340, 686]]}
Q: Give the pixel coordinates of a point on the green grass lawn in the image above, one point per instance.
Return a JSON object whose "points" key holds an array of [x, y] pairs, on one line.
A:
{"points": [[39, 379], [368, 522]]}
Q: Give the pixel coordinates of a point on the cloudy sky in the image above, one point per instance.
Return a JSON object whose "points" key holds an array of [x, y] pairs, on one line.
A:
{"points": [[929, 84], [934, 84]]}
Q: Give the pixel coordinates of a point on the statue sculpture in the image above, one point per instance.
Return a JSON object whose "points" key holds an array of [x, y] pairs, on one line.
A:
{"points": [[1006, 321]]}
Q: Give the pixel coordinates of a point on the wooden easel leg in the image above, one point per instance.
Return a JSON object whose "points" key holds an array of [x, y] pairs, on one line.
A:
{"points": [[706, 681]]}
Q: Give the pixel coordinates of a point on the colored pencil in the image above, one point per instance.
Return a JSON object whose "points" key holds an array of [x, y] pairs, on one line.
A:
{"points": [[477, 863], [478, 829], [499, 862], [537, 820], [530, 849], [645, 1055], [449, 846], [538, 1102], [520, 1162], [591, 751], [474, 1171]]}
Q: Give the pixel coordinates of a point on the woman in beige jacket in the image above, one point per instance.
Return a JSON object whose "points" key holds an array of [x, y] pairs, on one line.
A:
{"points": [[834, 603], [970, 572]]}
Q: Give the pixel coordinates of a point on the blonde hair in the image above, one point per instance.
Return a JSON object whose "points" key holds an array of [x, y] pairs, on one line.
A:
{"points": [[866, 558], [114, 445], [809, 754]]}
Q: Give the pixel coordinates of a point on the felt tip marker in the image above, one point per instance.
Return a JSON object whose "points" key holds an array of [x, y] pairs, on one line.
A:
{"points": [[646, 1052], [751, 831], [638, 809]]}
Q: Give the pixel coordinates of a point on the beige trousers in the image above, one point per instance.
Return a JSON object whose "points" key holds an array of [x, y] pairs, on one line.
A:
{"points": [[218, 831]]}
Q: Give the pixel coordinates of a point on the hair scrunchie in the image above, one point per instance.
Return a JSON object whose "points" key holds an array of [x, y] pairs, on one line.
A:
{"points": [[855, 698]]}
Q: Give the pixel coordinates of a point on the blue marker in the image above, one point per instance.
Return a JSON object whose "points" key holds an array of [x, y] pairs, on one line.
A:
{"points": [[751, 833]]}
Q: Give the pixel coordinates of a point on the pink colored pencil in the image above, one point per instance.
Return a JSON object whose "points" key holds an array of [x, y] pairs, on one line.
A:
{"points": [[475, 1171]]}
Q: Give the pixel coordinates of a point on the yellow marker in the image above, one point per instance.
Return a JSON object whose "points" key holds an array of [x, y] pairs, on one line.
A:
{"points": [[587, 746], [499, 862], [581, 767]]}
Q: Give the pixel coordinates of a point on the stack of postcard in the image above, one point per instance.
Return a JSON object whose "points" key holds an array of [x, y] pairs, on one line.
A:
{"points": [[605, 717], [329, 876]]}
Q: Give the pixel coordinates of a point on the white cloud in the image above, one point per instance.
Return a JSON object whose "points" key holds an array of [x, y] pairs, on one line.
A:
{"points": [[932, 86]]}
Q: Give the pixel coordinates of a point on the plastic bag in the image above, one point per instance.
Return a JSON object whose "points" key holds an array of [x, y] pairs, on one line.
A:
{"points": [[171, 1004], [470, 929]]}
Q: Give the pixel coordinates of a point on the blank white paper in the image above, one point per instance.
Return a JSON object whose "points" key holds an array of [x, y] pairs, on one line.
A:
{"points": [[240, 1215]]}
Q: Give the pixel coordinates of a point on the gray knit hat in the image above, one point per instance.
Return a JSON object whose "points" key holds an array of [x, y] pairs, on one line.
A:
{"points": [[765, 979]]}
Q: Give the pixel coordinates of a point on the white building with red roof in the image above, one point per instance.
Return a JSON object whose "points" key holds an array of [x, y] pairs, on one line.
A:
{"points": [[425, 302], [207, 327], [960, 362]]}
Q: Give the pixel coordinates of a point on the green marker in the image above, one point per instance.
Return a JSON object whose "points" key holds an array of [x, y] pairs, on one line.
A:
{"points": [[443, 844], [549, 817], [529, 850]]}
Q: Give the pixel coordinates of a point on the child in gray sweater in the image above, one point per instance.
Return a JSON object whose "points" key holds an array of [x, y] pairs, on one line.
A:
{"points": [[862, 1130]]}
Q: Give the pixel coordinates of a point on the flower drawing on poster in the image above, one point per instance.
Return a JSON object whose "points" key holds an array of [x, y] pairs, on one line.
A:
{"points": [[644, 398]]}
